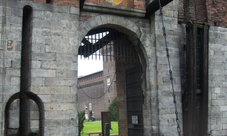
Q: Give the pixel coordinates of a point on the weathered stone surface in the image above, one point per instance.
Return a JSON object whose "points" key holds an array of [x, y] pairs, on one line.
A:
{"points": [[43, 73], [57, 30]]}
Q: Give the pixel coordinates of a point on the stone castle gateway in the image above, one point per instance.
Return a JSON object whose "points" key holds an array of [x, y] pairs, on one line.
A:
{"points": [[40, 45]]}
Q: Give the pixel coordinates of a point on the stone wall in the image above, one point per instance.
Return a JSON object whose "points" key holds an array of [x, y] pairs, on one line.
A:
{"points": [[57, 31], [56, 34], [217, 81], [161, 93], [11, 26], [53, 61], [54, 69]]}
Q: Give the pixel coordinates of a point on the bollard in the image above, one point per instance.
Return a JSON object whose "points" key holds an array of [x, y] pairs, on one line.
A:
{"points": [[107, 129]]}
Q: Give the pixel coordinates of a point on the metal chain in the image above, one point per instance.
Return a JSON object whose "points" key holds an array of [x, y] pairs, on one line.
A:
{"points": [[101, 94], [170, 71]]}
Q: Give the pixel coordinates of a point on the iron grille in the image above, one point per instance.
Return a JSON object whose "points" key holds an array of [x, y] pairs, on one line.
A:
{"points": [[106, 45]]}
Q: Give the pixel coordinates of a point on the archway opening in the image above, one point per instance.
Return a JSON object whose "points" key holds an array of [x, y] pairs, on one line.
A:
{"points": [[121, 78]]}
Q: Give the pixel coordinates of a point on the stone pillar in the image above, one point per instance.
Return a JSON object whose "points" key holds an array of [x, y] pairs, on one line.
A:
{"points": [[54, 66]]}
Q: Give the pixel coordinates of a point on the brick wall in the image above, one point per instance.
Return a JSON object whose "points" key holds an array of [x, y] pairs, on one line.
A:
{"points": [[210, 11], [133, 4], [201, 10], [91, 90], [100, 94], [109, 74], [217, 13], [66, 2], [181, 10], [61, 2]]}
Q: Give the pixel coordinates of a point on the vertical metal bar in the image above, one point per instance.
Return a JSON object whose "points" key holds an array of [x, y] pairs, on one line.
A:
{"points": [[96, 39], [106, 44], [107, 129], [116, 47], [82, 50], [129, 54], [115, 50], [85, 48], [120, 48], [100, 47], [126, 51], [205, 81], [110, 49], [125, 45], [24, 123], [91, 47], [194, 82], [88, 48]]}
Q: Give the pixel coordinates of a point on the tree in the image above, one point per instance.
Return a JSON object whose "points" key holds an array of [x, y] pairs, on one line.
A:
{"points": [[81, 118], [113, 110]]}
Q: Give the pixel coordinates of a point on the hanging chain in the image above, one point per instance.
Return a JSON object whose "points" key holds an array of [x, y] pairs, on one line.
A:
{"points": [[91, 97], [170, 71]]}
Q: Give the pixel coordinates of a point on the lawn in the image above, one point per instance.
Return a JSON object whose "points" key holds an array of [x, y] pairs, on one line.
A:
{"points": [[95, 126]]}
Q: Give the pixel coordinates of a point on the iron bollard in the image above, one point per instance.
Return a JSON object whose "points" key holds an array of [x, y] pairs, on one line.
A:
{"points": [[107, 129]]}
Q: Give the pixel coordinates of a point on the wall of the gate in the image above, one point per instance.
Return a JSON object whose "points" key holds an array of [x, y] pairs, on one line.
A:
{"points": [[55, 37], [161, 99], [54, 61], [53, 64], [217, 81], [130, 28], [159, 114], [57, 31]]}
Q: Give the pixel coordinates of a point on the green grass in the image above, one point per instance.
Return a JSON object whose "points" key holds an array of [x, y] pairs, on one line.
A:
{"points": [[95, 126]]}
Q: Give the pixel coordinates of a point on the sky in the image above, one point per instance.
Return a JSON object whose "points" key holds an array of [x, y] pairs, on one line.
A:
{"points": [[88, 66]]}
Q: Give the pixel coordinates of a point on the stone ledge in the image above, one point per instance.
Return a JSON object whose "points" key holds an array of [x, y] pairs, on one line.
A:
{"points": [[113, 10]]}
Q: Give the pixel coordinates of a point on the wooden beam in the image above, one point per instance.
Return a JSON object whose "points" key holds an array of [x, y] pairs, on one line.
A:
{"points": [[154, 6], [89, 48]]}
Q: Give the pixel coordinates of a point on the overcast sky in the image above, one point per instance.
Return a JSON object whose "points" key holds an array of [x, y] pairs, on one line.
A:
{"points": [[88, 66]]}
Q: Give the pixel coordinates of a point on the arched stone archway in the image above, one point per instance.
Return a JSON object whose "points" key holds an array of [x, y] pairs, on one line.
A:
{"points": [[133, 32], [119, 23]]}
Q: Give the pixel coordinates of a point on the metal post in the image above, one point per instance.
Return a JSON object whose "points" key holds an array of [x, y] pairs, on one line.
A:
{"points": [[107, 129]]}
